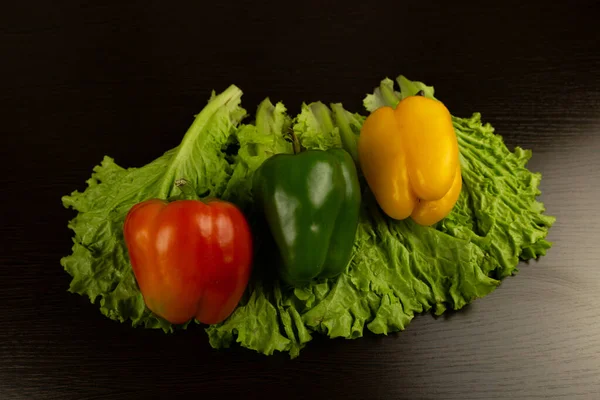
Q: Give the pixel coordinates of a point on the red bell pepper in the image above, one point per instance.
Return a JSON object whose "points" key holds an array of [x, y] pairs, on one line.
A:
{"points": [[190, 258]]}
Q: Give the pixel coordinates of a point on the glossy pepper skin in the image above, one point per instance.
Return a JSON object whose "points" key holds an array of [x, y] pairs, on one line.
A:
{"points": [[409, 157], [311, 203], [190, 258]]}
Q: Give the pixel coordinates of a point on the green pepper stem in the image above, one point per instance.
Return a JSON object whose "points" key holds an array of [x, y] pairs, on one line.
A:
{"points": [[295, 141]]}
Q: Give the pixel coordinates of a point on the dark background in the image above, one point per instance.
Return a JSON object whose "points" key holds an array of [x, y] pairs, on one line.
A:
{"points": [[85, 79]]}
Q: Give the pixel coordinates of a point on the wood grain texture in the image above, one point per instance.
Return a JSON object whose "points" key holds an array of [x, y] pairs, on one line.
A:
{"points": [[125, 78]]}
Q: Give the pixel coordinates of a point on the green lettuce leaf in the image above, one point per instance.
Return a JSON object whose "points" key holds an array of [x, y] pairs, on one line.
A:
{"points": [[315, 128], [508, 220], [386, 95], [411, 88], [257, 143], [398, 268], [349, 129], [383, 95]]}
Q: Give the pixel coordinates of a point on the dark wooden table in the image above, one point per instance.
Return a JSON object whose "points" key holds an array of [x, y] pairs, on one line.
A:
{"points": [[124, 78]]}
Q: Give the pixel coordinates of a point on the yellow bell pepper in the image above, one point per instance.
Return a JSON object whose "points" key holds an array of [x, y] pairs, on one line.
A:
{"points": [[409, 157]]}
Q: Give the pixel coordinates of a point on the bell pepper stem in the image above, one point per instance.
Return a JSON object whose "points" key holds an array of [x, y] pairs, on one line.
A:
{"points": [[295, 142], [187, 191]]}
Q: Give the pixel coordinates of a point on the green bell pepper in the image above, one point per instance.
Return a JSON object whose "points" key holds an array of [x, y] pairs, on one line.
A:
{"points": [[311, 203]]}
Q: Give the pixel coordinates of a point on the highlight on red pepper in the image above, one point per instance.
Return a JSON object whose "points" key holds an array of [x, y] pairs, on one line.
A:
{"points": [[191, 259]]}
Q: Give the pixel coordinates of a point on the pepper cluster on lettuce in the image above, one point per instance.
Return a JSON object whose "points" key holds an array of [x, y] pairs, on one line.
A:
{"points": [[398, 268]]}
